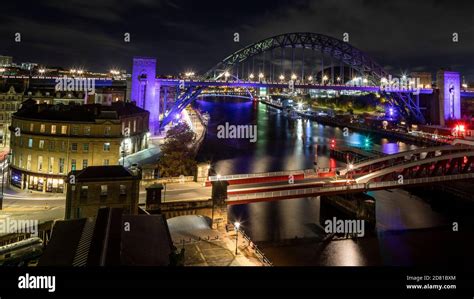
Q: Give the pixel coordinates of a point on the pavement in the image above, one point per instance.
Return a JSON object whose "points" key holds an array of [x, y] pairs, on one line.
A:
{"points": [[204, 246]]}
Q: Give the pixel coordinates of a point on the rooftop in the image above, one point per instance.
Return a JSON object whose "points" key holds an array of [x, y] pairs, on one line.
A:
{"points": [[77, 113], [107, 243], [104, 172]]}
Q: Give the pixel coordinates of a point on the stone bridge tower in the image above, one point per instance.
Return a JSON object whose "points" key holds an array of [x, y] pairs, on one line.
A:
{"points": [[145, 90]]}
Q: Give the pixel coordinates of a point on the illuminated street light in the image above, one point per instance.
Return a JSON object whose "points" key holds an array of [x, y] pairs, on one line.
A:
{"points": [[260, 76], [251, 76], [325, 78], [236, 226], [72, 71], [310, 78], [114, 72], [464, 85], [2, 70], [41, 71], [282, 77], [383, 80], [300, 105], [80, 72], [189, 74], [293, 77], [226, 75], [338, 79], [365, 80], [350, 166]]}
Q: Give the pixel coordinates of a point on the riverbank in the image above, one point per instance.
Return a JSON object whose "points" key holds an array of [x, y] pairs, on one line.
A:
{"points": [[327, 120]]}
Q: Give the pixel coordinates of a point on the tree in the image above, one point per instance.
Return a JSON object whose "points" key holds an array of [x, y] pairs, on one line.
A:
{"points": [[177, 153]]}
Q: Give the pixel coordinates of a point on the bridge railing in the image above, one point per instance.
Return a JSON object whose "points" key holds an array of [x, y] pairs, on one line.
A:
{"points": [[261, 257], [295, 192], [353, 187], [258, 175]]}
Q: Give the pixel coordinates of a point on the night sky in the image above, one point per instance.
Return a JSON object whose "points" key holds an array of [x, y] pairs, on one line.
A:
{"points": [[195, 35]]}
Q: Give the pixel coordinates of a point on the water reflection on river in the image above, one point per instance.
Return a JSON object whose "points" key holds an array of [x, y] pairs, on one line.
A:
{"points": [[285, 144]]}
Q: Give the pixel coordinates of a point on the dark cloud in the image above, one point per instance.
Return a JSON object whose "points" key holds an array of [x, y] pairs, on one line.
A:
{"points": [[402, 34]]}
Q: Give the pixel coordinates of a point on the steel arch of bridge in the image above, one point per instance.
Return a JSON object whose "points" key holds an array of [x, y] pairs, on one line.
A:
{"points": [[337, 49], [326, 45]]}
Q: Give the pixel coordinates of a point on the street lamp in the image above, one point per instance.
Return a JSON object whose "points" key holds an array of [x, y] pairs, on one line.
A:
{"points": [[282, 77], [260, 76], [236, 226], [293, 77], [251, 76], [310, 78]]}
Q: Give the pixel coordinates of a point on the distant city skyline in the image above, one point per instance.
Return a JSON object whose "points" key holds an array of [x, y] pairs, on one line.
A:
{"points": [[402, 36]]}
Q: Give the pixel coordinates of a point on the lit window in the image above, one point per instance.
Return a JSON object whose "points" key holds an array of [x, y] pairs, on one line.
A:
{"points": [[103, 190], [123, 190], [32, 126], [107, 147], [63, 129], [61, 165], [73, 164], [84, 163], [40, 163], [42, 128], [84, 192], [51, 164], [30, 143], [53, 129], [41, 144]]}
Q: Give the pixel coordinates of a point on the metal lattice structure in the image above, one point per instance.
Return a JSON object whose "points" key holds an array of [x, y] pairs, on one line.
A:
{"points": [[338, 50]]}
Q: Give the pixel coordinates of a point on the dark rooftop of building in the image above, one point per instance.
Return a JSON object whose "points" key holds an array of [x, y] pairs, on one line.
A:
{"points": [[77, 113], [102, 241], [110, 172]]}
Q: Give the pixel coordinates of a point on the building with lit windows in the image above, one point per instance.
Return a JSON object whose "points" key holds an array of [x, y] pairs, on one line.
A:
{"points": [[10, 101], [49, 141]]}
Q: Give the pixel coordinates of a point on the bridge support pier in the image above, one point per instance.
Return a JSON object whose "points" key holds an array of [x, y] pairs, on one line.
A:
{"points": [[146, 91]]}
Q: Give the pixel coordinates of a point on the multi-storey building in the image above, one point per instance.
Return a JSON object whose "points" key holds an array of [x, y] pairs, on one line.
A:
{"points": [[6, 60], [9, 103], [49, 141], [96, 187]]}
